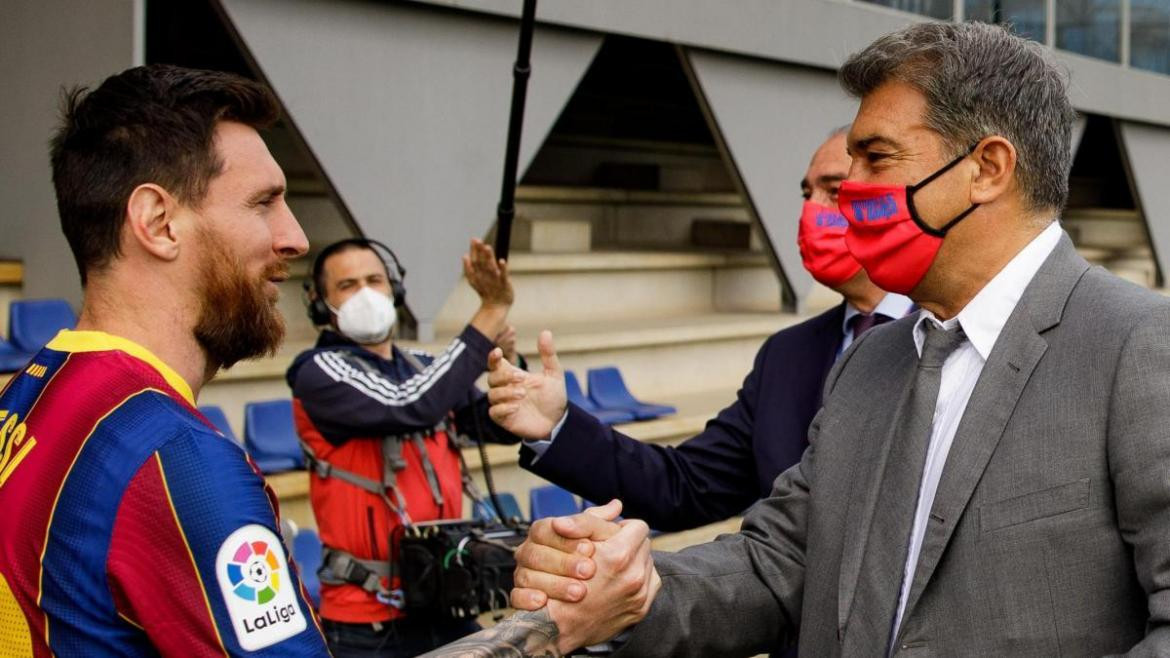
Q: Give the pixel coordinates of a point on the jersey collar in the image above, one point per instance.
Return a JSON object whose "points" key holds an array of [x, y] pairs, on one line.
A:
{"points": [[68, 340]]}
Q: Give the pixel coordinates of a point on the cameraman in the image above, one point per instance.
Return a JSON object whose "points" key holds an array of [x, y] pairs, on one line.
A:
{"points": [[377, 424]]}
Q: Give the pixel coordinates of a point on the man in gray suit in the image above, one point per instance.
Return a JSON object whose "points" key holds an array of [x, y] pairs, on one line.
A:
{"points": [[1017, 499]]}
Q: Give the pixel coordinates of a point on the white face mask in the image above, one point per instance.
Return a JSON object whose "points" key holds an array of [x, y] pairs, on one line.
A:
{"points": [[367, 317]]}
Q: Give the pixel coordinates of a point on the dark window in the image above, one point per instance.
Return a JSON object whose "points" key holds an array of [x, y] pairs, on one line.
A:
{"points": [[1027, 18], [1149, 36], [933, 8], [1089, 27]]}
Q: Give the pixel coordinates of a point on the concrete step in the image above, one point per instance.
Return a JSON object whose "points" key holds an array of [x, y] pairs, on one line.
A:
{"points": [[1142, 271], [541, 235], [581, 160], [664, 357], [632, 218], [1115, 239], [559, 288], [1104, 228], [11, 272], [694, 411]]}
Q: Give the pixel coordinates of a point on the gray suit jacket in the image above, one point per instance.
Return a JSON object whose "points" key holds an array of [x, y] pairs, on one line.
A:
{"points": [[1050, 531]]}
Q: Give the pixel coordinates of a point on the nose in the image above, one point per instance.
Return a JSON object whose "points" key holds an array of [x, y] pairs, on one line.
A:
{"points": [[288, 238]]}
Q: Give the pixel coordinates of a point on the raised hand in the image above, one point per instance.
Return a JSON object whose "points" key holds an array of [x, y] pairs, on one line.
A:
{"points": [[527, 404], [487, 275]]}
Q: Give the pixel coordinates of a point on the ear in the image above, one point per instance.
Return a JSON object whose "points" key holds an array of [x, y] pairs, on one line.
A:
{"points": [[996, 157], [150, 215]]}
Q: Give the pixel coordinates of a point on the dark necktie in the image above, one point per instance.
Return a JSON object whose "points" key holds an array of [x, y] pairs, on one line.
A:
{"points": [[863, 322], [880, 582]]}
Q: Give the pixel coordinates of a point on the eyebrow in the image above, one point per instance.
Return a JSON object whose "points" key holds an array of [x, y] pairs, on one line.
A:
{"points": [[863, 143], [270, 192], [355, 279]]}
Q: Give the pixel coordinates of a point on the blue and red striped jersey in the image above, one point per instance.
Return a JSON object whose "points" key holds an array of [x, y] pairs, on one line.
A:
{"points": [[131, 526]]}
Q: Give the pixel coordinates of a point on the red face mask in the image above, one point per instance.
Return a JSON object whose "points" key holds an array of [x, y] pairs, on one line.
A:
{"points": [[886, 234], [821, 239]]}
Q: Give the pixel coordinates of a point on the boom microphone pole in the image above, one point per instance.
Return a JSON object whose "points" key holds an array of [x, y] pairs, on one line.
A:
{"points": [[506, 210]]}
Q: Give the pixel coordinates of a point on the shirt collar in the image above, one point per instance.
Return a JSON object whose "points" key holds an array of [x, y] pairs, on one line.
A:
{"points": [[68, 340], [892, 306], [986, 314]]}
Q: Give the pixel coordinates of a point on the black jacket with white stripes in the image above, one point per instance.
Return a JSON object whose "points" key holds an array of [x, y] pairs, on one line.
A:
{"points": [[349, 391]]}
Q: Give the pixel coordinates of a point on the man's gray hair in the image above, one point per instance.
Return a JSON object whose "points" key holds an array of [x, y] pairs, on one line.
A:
{"points": [[981, 80]]}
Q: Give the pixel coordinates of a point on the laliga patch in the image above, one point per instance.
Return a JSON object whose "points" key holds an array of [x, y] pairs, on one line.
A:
{"points": [[261, 600]]}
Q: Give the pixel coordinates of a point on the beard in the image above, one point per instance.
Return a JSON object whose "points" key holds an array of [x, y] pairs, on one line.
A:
{"points": [[237, 317]]}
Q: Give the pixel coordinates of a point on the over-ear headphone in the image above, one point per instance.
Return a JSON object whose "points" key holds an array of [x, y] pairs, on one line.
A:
{"points": [[318, 310]]}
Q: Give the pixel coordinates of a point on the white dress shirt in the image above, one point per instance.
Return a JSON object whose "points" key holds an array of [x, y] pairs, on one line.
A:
{"points": [[982, 321]]}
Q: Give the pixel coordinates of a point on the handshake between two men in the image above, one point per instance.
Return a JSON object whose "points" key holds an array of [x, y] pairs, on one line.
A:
{"points": [[581, 580]]}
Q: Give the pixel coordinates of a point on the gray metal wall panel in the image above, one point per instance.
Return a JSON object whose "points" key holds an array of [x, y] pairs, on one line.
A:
{"points": [[45, 45], [1147, 150], [406, 108], [818, 33], [1077, 133], [772, 117]]}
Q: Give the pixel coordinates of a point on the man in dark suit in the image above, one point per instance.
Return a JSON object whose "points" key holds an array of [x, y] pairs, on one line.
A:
{"points": [[732, 463]]}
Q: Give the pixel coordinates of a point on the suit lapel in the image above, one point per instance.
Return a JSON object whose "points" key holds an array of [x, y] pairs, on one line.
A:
{"points": [[866, 472], [1016, 354]]}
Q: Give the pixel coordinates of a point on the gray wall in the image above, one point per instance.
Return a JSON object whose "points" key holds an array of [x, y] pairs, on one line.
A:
{"points": [[45, 44], [819, 33], [406, 108], [771, 117], [1147, 152]]}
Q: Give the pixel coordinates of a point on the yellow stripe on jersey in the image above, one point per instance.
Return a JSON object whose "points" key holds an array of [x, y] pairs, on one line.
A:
{"points": [[130, 621], [194, 566]]}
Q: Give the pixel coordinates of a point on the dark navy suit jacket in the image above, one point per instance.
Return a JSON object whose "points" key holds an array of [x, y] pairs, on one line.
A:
{"points": [[727, 467]]}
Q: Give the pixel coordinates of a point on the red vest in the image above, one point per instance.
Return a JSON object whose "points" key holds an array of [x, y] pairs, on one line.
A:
{"points": [[359, 522]]}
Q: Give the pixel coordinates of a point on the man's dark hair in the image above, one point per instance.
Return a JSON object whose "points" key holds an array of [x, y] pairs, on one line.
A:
{"points": [[981, 80], [148, 124], [341, 246]]}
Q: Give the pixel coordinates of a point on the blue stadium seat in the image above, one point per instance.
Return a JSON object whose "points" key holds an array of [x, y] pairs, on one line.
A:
{"points": [[551, 500], [271, 437], [484, 511], [217, 417], [33, 322], [306, 550], [11, 359], [577, 397], [608, 390]]}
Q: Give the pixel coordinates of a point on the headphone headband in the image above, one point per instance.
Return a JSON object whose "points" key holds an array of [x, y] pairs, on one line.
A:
{"points": [[315, 304]]}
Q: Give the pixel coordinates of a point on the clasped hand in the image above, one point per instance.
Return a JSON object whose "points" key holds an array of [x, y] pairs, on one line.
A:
{"points": [[595, 575]]}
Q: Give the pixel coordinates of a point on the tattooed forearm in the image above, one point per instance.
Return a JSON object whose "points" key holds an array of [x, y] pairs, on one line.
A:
{"points": [[523, 635]]}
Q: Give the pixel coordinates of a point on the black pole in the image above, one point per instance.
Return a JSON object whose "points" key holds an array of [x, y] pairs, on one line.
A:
{"points": [[506, 210]]}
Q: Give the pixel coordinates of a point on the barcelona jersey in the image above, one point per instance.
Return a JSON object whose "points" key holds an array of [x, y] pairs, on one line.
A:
{"points": [[130, 526]]}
